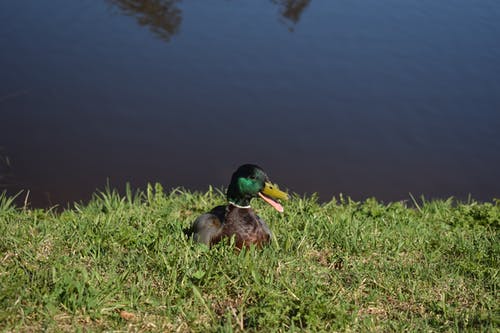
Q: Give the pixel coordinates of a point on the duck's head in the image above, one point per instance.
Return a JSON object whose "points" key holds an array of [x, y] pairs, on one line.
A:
{"points": [[250, 181]]}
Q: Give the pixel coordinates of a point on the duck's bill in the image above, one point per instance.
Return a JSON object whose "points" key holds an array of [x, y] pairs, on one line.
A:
{"points": [[270, 192]]}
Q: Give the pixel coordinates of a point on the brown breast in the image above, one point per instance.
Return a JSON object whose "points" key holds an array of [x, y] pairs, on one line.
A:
{"points": [[244, 225]]}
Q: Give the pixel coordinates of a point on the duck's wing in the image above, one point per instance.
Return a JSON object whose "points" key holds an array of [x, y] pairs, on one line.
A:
{"points": [[208, 226], [264, 226]]}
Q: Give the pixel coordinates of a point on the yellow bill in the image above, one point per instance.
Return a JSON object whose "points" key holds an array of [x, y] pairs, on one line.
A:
{"points": [[270, 192]]}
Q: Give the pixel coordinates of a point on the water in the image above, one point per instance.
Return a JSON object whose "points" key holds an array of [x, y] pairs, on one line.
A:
{"points": [[364, 98]]}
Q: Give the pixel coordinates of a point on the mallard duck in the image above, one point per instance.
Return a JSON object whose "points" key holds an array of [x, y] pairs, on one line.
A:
{"points": [[237, 218]]}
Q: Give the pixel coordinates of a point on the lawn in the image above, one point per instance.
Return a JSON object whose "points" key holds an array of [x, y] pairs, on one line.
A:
{"points": [[122, 262]]}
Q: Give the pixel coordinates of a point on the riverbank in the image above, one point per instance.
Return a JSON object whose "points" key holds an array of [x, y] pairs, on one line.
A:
{"points": [[123, 263]]}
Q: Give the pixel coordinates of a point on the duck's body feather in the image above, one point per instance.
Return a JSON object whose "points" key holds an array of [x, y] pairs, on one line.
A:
{"points": [[227, 221]]}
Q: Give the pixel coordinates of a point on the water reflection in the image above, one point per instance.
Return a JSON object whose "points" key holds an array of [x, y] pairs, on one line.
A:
{"points": [[292, 9], [163, 17], [5, 168]]}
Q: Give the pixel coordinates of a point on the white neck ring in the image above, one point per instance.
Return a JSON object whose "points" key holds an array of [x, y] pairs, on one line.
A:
{"points": [[232, 203]]}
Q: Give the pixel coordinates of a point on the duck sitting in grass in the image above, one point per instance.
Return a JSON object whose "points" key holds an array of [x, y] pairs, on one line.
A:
{"points": [[237, 218]]}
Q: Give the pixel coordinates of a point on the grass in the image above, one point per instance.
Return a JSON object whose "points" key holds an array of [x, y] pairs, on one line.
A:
{"points": [[123, 263]]}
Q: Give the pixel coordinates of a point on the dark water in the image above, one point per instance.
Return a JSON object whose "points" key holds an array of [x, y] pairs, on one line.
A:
{"points": [[364, 98]]}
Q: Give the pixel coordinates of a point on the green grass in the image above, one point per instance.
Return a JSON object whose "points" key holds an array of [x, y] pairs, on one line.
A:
{"points": [[123, 263]]}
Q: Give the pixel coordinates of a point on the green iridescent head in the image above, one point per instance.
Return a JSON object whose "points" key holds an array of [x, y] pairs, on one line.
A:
{"points": [[250, 181]]}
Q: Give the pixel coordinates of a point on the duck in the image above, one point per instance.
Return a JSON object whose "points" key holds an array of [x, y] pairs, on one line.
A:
{"points": [[237, 218]]}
